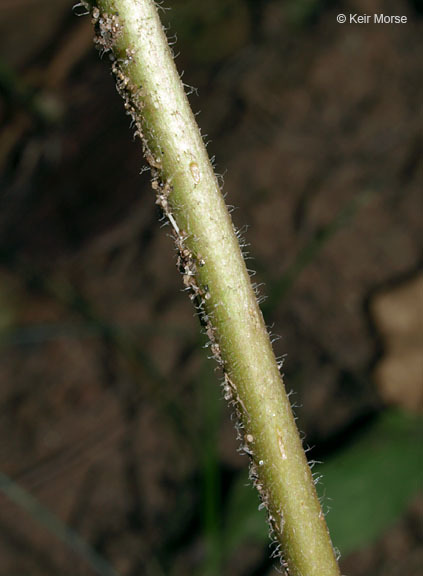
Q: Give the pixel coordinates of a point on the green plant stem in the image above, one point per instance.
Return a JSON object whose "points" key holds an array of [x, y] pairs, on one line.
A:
{"points": [[215, 274]]}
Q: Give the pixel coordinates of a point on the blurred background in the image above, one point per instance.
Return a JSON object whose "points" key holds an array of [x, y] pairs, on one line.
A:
{"points": [[117, 451]]}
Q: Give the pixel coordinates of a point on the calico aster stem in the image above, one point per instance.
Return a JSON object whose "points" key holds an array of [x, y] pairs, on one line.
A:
{"points": [[216, 277]]}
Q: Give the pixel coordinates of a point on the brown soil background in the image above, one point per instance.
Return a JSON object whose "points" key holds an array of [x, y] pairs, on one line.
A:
{"points": [[101, 373]]}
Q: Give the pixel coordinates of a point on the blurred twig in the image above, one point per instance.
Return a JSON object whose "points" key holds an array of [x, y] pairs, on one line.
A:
{"points": [[74, 300], [278, 289], [35, 334], [53, 524]]}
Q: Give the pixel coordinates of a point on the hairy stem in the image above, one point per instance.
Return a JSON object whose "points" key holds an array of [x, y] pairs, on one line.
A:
{"points": [[215, 275]]}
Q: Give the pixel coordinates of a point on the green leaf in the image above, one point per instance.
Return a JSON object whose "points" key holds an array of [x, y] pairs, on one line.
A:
{"points": [[369, 484]]}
